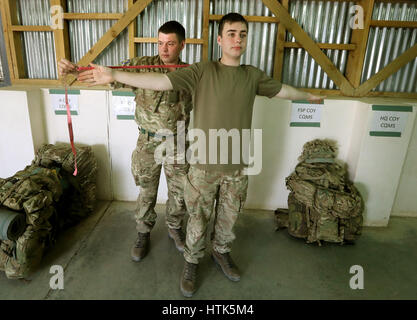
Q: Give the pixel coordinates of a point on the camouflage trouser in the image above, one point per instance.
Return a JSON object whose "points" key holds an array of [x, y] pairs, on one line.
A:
{"points": [[147, 172], [201, 189]]}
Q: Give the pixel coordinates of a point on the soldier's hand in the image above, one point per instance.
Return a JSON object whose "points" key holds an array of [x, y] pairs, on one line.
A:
{"points": [[66, 67], [315, 98], [97, 76]]}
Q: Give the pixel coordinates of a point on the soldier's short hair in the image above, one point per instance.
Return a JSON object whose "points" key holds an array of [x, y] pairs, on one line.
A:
{"points": [[231, 17], [173, 27]]}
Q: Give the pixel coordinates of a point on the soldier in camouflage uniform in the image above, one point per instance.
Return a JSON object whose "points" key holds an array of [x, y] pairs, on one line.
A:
{"points": [[157, 111], [224, 92]]}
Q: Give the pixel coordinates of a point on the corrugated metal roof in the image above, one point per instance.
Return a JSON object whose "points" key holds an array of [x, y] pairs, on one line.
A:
{"points": [[324, 22], [85, 33], [386, 44], [39, 46]]}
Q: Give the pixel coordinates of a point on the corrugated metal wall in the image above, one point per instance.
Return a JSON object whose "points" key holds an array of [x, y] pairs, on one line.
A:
{"points": [[188, 13], [324, 22], [39, 47], [385, 44], [85, 33]]}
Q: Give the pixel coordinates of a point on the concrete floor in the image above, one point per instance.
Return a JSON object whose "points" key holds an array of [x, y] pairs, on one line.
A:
{"points": [[95, 256]]}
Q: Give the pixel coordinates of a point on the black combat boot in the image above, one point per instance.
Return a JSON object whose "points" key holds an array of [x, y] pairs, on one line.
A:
{"points": [[141, 246], [178, 236], [188, 279], [225, 262]]}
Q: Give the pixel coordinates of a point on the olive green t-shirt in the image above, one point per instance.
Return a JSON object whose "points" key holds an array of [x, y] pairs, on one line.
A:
{"points": [[223, 98]]}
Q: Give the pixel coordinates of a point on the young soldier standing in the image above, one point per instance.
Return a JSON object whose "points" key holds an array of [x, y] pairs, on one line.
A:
{"points": [[224, 92], [156, 111]]}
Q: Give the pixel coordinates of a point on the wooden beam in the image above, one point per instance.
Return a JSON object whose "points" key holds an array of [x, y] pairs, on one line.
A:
{"points": [[7, 35], [332, 46], [16, 46], [359, 38], [16, 28], [132, 33], [111, 34], [396, 95], [39, 82], [155, 40], [310, 46], [217, 17], [389, 70], [393, 24], [324, 92], [206, 25], [93, 16], [279, 47], [61, 36]]}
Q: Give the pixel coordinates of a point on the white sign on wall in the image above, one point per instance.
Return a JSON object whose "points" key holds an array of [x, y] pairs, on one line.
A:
{"points": [[58, 101], [124, 105], [389, 121], [305, 114]]}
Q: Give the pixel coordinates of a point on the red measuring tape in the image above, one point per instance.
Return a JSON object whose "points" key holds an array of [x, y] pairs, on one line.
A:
{"points": [[69, 120]]}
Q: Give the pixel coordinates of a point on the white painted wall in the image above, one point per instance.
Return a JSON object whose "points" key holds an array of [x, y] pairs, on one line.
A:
{"points": [[380, 167], [406, 197], [90, 127], [378, 171], [16, 141]]}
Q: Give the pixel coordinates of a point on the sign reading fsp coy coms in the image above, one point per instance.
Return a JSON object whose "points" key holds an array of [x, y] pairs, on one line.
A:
{"points": [[305, 114]]}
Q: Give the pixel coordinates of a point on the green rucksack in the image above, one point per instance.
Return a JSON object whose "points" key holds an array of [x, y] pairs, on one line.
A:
{"points": [[50, 198], [323, 204]]}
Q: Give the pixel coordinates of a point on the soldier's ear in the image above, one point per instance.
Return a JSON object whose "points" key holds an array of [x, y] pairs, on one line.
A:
{"points": [[182, 44]]}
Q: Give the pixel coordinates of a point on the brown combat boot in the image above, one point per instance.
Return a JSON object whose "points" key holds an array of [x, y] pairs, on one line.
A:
{"points": [[188, 279], [141, 246], [225, 262], [178, 236]]}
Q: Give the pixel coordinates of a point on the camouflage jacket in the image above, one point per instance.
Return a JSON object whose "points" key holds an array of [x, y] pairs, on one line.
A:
{"points": [[157, 109]]}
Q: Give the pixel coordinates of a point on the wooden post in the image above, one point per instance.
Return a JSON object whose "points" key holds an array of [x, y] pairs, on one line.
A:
{"points": [[206, 25], [279, 47], [132, 33], [16, 47], [61, 36], [6, 33], [359, 37]]}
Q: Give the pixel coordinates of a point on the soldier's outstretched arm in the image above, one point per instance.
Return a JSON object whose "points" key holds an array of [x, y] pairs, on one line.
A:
{"points": [[101, 75], [291, 93]]}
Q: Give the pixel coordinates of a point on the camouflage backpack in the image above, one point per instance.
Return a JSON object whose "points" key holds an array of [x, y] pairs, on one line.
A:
{"points": [[50, 198], [323, 204]]}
